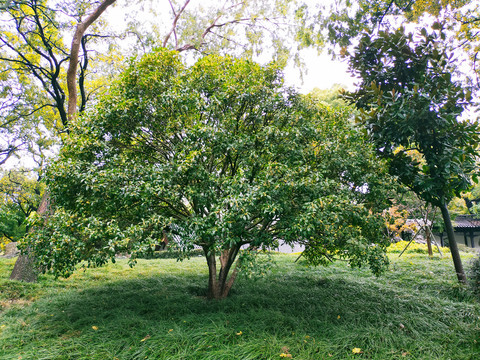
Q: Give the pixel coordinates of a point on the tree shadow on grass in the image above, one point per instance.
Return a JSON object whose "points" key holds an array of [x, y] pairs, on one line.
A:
{"points": [[173, 313]]}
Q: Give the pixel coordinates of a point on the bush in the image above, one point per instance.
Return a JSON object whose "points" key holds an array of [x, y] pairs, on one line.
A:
{"points": [[474, 275], [171, 254], [414, 248]]}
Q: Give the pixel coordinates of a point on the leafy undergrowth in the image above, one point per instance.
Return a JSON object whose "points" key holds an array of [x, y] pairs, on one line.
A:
{"points": [[157, 310]]}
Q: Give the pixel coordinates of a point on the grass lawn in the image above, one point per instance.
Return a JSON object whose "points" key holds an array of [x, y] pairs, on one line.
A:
{"points": [[157, 310]]}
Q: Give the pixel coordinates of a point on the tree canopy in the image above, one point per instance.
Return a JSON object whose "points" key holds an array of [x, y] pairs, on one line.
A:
{"points": [[37, 60], [218, 155]]}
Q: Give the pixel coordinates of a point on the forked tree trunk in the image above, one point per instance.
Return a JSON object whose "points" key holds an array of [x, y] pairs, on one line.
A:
{"points": [[457, 261], [219, 285]]}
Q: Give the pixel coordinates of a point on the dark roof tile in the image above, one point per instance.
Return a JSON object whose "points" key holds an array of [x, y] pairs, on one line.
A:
{"points": [[466, 222]]}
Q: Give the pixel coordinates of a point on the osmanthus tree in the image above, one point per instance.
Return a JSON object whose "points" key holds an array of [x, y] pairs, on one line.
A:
{"points": [[410, 106], [37, 61], [219, 155]]}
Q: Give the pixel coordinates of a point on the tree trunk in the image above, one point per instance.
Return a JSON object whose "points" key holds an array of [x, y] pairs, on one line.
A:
{"points": [[429, 240], [74, 50], [457, 261], [24, 269], [219, 285]]}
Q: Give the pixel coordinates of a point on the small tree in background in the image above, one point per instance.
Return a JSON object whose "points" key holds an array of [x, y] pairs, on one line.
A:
{"points": [[410, 103], [20, 197], [222, 156]]}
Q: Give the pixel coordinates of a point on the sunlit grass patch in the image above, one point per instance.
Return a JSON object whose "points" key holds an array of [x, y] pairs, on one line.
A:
{"points": [[414, 247]]}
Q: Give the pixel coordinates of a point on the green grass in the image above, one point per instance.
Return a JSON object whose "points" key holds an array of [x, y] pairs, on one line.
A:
{"points": [[158, 310]]}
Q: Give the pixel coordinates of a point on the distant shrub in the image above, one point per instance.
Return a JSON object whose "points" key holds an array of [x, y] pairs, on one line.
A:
{"points": [[171, 254], [474, 275], [414, 247]]}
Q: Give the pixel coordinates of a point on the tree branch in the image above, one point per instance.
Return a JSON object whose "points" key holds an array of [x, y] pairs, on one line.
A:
{"points": [[75, 48], [9, 152], [81, 80], [174, 24]]}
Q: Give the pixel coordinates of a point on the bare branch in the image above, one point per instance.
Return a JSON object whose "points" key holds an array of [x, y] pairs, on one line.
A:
{"points": [[7, 153], [174, 24], [471, 21]]}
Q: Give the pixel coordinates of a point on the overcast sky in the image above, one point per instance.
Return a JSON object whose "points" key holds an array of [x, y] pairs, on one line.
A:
{"points": [[323, 73]]}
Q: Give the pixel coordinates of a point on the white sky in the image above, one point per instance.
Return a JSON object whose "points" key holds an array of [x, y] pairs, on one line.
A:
{"points": [[322, 73]]}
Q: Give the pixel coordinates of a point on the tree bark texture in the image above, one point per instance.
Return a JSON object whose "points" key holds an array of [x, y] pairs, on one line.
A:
{"points": [[457, 261], [25, 269]]}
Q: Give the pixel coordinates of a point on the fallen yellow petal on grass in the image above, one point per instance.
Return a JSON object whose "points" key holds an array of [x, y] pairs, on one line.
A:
{"points": [[239, 333], [95, 327], [357, 350], [284, 355], [146, 338]]}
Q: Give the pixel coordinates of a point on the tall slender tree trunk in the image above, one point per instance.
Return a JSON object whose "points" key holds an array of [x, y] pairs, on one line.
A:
{"points": [[220, 284], [457, 261], [428, 239]]}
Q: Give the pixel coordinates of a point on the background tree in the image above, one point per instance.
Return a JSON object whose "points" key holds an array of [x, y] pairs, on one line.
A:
{"points": [[225, 157], [411, 218], [33, 55], [20, 198], [409, 100], [341, 23], [468, 203]]}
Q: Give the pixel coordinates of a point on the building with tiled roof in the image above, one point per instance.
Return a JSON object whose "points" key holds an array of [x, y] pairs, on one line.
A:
{"points": [[467, 230]]}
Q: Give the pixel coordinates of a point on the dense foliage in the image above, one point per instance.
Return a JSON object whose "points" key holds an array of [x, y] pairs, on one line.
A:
{"points": [[411, 106], [219, 155], [20, 197]]}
